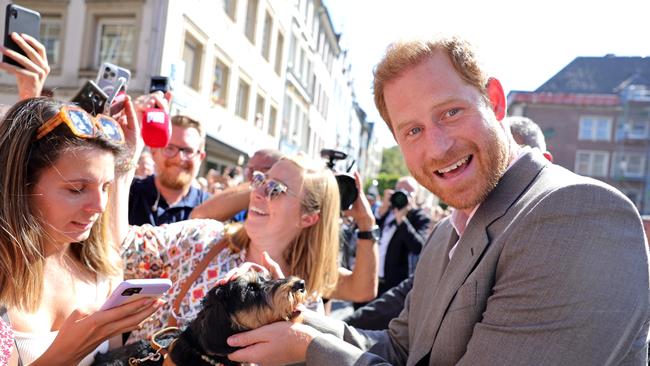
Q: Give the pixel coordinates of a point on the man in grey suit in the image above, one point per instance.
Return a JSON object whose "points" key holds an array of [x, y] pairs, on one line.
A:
{"points": [[536, 266]]}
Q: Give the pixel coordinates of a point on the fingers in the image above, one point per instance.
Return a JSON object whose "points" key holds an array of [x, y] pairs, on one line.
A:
{"points": [[20, 59], [34, 50], [238, 271], [272, 266]]}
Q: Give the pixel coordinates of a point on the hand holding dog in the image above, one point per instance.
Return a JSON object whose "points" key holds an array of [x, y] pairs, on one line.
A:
{"points": [[267, 345], [268, 266], [82, 332]]}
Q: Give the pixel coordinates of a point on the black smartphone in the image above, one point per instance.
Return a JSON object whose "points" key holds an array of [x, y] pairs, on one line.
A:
{"points": [[91, 98], [20, 20], [159, 83]]}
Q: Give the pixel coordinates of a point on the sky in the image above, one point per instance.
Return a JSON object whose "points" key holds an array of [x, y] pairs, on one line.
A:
{"points": [[522, 43]]}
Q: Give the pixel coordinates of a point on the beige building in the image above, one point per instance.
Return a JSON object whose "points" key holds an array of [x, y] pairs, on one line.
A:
{"points": [[257, 73]]}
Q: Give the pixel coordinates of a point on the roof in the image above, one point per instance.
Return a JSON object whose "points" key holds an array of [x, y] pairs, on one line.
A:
{"points": [[599, 75], [562, 98]]}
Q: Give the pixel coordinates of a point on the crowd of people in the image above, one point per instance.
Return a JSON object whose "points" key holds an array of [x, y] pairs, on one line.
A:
{"points": [[529, 264]]}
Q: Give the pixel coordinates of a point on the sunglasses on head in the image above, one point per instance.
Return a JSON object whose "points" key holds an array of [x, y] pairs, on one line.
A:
{"points": [[272, 188], [83, 125]]}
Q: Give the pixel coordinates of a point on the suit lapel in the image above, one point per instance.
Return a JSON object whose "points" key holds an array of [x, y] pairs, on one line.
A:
{"points": [[472, 244]]}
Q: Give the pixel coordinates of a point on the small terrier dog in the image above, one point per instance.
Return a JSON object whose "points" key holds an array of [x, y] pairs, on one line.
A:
{"points": [[247, 302]]}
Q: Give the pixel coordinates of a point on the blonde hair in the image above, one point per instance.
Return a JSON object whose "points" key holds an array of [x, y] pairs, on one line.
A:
{"points": [[313, 255], [404, 55], [22, 234]]}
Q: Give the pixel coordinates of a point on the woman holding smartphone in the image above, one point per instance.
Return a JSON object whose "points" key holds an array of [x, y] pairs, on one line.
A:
{"points": [[58, 258]]}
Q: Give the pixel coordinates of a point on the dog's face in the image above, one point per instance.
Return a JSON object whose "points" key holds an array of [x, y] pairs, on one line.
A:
{"points": [[247, 302]]}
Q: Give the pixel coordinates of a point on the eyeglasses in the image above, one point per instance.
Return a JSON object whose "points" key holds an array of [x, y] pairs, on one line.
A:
{"points": [[186, 153], [83, 125], [272, 188]]}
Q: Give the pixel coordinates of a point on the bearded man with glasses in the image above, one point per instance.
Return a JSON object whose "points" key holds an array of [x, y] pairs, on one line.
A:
{"points": [[168, 195]]}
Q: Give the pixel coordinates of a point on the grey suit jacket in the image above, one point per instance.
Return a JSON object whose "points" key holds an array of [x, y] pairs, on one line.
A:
{"points": [[552, 270]]}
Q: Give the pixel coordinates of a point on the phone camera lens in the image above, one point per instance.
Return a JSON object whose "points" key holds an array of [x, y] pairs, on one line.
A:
{"points": [[131, 291], [112, 74], [105, 75], [95, 99], [14, 13], [107, 69]]}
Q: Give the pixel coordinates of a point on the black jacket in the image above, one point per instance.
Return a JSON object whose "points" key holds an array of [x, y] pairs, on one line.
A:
{"points": [[409, 237]]}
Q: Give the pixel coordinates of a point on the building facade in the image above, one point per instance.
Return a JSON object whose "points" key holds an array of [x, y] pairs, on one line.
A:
{"points": [[257, 73], [595, 115]]}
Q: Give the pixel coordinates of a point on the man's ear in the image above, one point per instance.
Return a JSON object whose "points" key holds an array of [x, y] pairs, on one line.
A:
{"points": [[497, 98], [309, 219]]}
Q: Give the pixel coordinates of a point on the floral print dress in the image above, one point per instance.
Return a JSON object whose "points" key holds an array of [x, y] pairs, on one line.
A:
{"points": [[6, 343], [173, 251]]}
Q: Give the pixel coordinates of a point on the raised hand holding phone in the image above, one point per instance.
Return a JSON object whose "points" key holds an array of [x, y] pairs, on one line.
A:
{"points": [[23, 55]]}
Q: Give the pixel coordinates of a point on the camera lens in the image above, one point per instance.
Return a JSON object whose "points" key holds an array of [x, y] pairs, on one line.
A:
{"points": [[14, 13], [131, 291], [399, 199], [108, 69], [347, 190], [105, 75]]}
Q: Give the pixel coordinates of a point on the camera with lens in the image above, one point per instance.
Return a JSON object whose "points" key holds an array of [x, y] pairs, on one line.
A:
{"points": [[347, 185], [399, 199], [131, 291]]}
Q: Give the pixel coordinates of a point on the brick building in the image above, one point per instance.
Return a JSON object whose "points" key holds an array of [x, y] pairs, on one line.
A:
{"points": [[595, 114]]}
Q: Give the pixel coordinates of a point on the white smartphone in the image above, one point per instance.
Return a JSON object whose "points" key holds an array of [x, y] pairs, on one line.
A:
{"points": [[108, 78], [131, 290]]}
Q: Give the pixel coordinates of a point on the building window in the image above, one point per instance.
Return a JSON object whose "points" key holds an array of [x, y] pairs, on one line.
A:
{"points": [[592, 163], [273, 118], [251, 20], [279, 48], [633, 130], [628, 165], [259, 112], [266, 36], [595, 128], [243, 92], [192, 56], [230, 7], [115, 41], [220, 83], [51, 32]]}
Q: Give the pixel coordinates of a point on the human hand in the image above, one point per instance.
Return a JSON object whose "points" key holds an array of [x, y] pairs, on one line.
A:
{"points": [[131, 128], [361, 211], [153, 100], [268, 344], [31, 78], [400, 213], [238, 271], [81, 332]]}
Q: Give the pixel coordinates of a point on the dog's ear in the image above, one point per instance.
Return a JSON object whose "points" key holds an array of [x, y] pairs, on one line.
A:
{"points": [[213, 325]]}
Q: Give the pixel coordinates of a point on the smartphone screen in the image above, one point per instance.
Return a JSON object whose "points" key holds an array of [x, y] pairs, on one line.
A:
{"points": [[20, 20]]}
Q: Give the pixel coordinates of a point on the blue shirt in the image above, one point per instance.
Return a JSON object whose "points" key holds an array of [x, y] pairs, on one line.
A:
{"points": [[147, 206]]}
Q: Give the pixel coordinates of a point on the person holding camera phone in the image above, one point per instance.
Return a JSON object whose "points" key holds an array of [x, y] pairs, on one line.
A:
{"points": [[59, 261], [33, 69], [404, 229]]}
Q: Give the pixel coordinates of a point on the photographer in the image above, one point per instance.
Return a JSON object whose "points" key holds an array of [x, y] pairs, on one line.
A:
{"points": [[404, 229]]}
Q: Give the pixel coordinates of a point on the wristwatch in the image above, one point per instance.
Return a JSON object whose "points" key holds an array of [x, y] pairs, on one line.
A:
{"points": [[373, 234]]}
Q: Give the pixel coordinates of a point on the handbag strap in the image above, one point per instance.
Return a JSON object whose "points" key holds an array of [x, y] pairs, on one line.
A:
{"points": [[171, 321], [5, 316]]}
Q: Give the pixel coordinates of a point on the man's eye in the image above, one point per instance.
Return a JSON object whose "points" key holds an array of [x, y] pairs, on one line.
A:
{"points": [[452, 112], [414, 131]]}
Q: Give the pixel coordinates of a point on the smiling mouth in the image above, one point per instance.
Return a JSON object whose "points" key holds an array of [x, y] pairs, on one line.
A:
{"points": [[455, 168], [258, 211]]}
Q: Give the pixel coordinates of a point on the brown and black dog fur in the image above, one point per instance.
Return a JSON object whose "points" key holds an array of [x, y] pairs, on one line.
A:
{"points": [[247, 302]]}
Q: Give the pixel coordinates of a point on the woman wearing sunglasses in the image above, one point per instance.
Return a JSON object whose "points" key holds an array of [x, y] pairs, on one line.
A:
{"points": [[58, 262], [293, 218]]}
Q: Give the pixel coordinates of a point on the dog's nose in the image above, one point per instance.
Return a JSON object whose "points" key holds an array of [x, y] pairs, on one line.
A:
{"points": [[298, 285]]}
